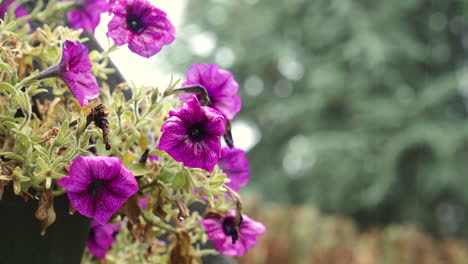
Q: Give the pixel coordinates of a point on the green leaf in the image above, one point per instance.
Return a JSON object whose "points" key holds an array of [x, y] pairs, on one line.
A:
{"points": [[5, 66], [42, 151], [167, 174], [42, 164], [11, 155], [8, 87], [139, 169], [179, 181], [38, 91], [10, 125], [154, 96]]}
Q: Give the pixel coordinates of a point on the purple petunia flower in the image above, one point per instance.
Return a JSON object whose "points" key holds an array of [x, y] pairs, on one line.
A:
{"points": [[220, 85], [235, 164], [101, 237], [19, 10], [98, 186], [143, 26], [192, 135], [87, 14], [222, 232], [77, 73], [75, 70]]}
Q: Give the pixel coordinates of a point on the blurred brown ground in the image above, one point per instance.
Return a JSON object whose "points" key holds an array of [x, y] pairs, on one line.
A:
{"points": [[302, 235]]}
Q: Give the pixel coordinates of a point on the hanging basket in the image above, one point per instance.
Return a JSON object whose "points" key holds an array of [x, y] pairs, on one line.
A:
{"points": [[22, 243]]}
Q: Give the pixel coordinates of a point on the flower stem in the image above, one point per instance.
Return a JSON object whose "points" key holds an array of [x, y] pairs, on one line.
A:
{"points": [[198, 89], [158, 223], [52, 71]]}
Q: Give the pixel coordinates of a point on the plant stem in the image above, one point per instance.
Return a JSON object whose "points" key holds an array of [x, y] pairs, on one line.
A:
{"points": [[158, 223]]}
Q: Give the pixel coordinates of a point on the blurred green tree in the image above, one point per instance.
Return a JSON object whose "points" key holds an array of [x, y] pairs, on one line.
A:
{"points": [[361, 104]]}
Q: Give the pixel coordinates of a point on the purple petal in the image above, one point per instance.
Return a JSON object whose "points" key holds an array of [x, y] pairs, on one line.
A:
{"points": [[83, 86], [83, 202], [96, 250], [104, 168], [191, 112], [250, 227], [153, 38], [118, 31], [107, 204], [88, 15], [215, 122], [75, 57], [202, 155], [228, 105], [143, 203], [235, 164], [220, 85], [80, 173], [19, 10], [226, 247], [101, 238], [124, 184]]}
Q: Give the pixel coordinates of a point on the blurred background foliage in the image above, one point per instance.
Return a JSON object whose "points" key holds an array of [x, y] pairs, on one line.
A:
{"points": [[360, 105], [308, 237]]}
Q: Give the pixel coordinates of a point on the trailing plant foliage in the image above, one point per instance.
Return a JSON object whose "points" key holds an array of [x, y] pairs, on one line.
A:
{"points": [[129, 154]]}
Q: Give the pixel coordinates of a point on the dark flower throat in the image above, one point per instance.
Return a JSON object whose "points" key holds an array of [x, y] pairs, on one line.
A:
{"points": [[134, 23], [229, 228], [96, 186], [196, 132]]}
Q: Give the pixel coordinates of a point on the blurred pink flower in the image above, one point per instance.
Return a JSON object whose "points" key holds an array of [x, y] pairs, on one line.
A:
{"points": [[101, 237], [143, 26], [19, 10], [220, 84], [235, 164], [87, 15], [226, 240]]}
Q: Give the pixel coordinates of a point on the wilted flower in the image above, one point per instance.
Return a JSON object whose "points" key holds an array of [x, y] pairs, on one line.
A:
{"points": [[98, 186], [87, 14], [101, 237], [192, 135], [225, 237], [75, 70], [220, 85], [235, 164], [143, 26], [19, 10]]}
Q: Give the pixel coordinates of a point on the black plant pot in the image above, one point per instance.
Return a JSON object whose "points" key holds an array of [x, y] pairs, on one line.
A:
{"points": [[22, 243]]}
